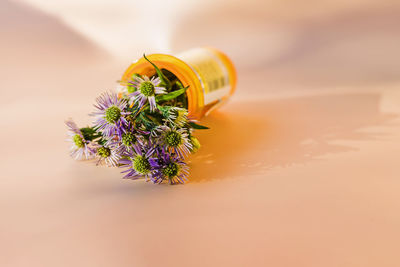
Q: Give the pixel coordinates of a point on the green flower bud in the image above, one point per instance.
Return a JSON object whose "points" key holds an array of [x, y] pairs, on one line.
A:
{"points": [[141, 165], [171, 170], [147, 88], [195, 143], [113, 114], [104, 152], [78, 141]]}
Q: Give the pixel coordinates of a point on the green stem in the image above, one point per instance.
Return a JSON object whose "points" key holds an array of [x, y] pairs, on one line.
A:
{"points": [[164, 80]]}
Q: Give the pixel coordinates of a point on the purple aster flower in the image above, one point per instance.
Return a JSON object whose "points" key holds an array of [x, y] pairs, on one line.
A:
{"points": [[169, 168], [110, 113], [80, 147], [146, 90], [176, 141], [108, 155], [129, 139], [137, 162]]}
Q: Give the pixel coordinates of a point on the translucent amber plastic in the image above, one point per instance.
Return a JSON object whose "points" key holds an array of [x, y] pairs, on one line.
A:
{"points": [[209, 73]]}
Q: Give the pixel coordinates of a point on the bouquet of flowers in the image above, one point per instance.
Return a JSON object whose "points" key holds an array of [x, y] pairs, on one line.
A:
{"points": [[144, 128]]}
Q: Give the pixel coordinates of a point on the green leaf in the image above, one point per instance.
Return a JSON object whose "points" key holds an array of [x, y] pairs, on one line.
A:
{"points": [[164, 80], [102, 141], [135, 75], [198, 126], [171, 95], [179, 85], [154, 118], [181, 99], [89, 133], [145, 120]]}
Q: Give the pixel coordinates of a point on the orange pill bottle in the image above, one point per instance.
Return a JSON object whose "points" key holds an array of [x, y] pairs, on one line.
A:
{"points": [[209, 73]]}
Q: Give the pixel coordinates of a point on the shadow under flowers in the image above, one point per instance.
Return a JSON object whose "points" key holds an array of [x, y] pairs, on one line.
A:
{"points": [[251, 137]]}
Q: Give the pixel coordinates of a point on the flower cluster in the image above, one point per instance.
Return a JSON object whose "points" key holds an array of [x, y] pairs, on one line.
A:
{"points": [[144, 128]]}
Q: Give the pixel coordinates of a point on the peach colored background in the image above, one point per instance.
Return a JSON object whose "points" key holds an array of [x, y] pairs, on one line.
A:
{"points": [[301, 168]]}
